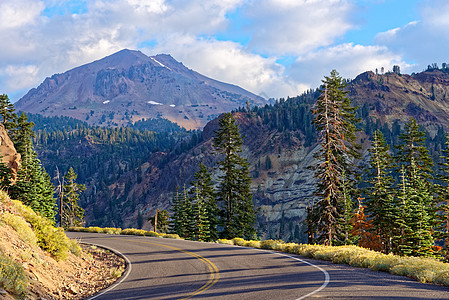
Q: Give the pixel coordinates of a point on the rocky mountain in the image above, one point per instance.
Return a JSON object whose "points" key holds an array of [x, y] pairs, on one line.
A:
{"points": [[424, 96], [129, 86], [279, 144]]}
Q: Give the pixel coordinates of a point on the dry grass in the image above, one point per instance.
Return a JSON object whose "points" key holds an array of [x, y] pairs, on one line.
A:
{"points": [[422, 269]]}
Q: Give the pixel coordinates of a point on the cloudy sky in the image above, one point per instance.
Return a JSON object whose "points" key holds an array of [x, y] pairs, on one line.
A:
{"points": [[275, 48]]}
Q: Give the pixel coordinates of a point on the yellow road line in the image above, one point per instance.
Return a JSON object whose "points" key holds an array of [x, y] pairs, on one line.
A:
{"points": [[214, 272]]}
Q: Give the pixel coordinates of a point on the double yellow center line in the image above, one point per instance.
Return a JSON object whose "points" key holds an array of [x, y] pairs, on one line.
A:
{"points": [[213, 270]]}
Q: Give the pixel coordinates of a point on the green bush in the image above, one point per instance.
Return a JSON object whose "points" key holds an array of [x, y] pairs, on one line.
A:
{"points": [[171, 236], [238, 241], [111, 230], [22, 228], [75, 247], [51, 239], [225, 241], [12, 276], [152, 234]]}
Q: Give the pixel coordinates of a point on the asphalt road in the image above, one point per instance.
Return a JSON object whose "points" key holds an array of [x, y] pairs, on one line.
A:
{"points": [[173, 269]]}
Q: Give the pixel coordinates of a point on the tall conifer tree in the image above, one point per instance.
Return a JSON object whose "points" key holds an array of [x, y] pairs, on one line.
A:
{"points": [[334, 121], [379, 193], [238, 216]]}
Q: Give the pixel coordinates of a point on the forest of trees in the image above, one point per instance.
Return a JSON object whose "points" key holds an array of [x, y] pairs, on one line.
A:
{"points": [[401, 205], [101, 155], [205, 213], [32, 185]]}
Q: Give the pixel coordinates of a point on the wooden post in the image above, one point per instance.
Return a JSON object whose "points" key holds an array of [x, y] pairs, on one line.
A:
{"points": [[155, 220]]}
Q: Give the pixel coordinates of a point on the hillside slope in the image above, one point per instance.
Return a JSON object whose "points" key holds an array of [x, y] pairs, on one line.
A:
{"points": [[128, 86], [279, 144], [64, 271]]}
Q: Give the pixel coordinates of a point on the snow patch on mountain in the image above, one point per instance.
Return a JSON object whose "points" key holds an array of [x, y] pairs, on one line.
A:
{"points": [[158, 62], [154, 103]]}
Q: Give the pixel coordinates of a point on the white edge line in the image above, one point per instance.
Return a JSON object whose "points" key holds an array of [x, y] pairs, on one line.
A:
{"points": [[128, 270], [326, 274]]}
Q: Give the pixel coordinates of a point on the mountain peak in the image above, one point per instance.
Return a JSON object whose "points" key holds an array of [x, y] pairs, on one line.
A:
{"points": [[128, 86]]}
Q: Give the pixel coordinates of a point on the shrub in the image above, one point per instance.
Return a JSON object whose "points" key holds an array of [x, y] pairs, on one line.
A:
{"points": [[49, 238], [171, 236], [152, 234], [111, 230], [252, 243], [12, 276], [238, 241], [268, 244], [22, 228], [95, 229], [75, 247], [133, 231], [225, 242]]}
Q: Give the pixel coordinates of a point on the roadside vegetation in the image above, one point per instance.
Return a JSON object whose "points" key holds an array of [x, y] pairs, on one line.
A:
{"points": [[425, 270]]}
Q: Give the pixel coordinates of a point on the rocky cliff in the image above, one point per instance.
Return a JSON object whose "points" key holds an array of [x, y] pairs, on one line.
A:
{"points": [[279, 158], [8, 153]]}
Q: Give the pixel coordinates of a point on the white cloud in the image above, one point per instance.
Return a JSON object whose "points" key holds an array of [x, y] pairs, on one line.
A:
{"points": [[294, 26], [348, 59], [18, 13], [229, 62], [19, 76], [421, 42]]}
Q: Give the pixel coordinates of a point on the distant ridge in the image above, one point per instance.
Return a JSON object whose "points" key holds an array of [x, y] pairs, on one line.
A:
{"points": [[128, 86]]}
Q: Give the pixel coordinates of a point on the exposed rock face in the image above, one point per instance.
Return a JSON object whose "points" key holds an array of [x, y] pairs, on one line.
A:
{"points": [[424, 96], [128, 86], [8, 153], [284, 190]]}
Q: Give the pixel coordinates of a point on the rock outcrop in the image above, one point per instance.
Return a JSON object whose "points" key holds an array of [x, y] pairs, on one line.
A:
{"points": [[8, 153]]}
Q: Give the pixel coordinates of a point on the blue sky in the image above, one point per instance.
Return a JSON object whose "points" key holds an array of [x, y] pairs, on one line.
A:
{"points": [[275, 48]]}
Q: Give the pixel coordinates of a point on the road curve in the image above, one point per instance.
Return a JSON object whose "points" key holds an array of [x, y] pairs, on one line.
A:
{"points": [[175, 269]]}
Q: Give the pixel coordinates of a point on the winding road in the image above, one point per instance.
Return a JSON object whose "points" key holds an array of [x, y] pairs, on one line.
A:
{"points": [[175, 269]]}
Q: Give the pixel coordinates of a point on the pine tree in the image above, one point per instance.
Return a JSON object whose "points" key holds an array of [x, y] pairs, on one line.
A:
{"points": [[7, 114], [379, 193], [414, 238], [334, 121], [412, 148], [72, 213], [200, 213], [5, 176], [175, 220], [238, 216], [33, 186], [442, 225], [417, 199], [203, 189]]}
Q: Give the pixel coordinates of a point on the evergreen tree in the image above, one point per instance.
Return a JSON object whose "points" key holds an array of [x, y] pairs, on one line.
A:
{"points": [[204, 191], [5, 176], [33, 186], [238, 216], [379, 193], [417, 199], [7, 114], [201, 225], [175, 222], [442, 228], [72, 213], [345, 207], [414, 237], [412, 148], [334, 121]]}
